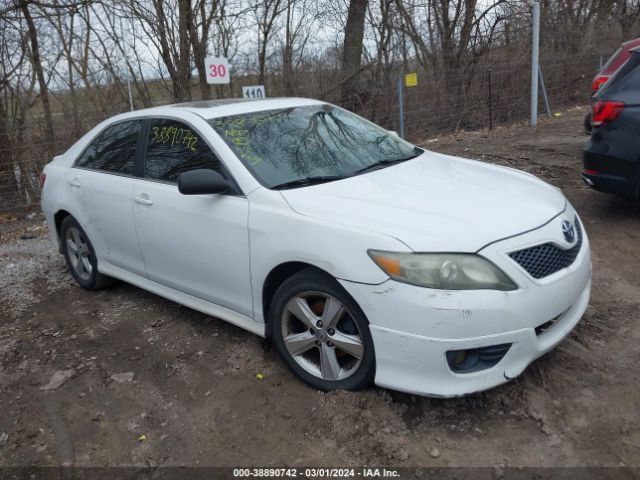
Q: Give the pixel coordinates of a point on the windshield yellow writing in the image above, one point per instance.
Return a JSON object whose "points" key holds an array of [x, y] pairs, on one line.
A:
{"points": [[239, 137]]}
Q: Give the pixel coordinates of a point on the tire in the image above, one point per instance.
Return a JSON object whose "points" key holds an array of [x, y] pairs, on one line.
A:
{"points": [[335, 355], [587, 123], [80, 256]]}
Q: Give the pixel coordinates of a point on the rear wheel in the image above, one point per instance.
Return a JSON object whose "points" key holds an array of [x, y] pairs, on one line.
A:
{"points": [[321, 333], [587, 123], [80, 256]]}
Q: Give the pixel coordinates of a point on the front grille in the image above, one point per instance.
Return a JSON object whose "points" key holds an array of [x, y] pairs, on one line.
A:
{"points": [[543, 260]]}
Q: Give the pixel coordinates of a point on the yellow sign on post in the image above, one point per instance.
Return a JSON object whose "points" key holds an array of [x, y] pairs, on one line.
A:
{"points": [[411, 80]]}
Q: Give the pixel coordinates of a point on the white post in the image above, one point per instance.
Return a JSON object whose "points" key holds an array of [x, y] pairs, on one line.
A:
{"points": [[535, 44], [130, 96], [544, 92], [401, 106], [122, 35]]}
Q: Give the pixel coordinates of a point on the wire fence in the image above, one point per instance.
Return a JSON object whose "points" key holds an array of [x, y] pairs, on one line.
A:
{"points": [[481, 95]]}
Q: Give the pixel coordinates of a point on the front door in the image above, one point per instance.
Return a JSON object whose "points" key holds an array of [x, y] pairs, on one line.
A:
{"points": [[196, 244]]}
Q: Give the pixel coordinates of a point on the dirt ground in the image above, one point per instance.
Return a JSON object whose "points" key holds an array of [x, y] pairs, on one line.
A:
{"points": [[149, 382]]}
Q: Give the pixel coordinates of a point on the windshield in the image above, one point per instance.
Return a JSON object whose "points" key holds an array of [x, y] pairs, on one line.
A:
{"points": [[293, 144]]}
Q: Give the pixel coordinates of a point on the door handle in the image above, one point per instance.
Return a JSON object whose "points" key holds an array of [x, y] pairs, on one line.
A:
{"points": [[143, 199], [74, 182]]}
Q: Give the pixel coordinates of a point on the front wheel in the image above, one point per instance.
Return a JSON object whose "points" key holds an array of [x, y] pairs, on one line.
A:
{"points": [[321, 333]]}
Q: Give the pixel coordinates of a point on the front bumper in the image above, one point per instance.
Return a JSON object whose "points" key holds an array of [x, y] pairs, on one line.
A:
{"points": [[413, 328], [610, 183]]}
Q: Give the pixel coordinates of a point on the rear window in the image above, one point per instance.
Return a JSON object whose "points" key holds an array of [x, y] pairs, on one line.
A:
{"points": [[627, 78], [113, 150], [607, 66]]}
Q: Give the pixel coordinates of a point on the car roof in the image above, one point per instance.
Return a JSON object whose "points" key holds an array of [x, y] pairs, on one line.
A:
{"points": [[628, 45], [208, 109], [619, 58]]}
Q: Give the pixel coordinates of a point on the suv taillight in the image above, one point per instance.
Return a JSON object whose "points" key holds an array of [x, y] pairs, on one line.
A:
{"points": [[605, 112], [43, 177], [598, 82]]}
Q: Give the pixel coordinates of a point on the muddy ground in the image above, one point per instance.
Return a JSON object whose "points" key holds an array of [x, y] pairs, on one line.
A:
{"points": [[153, 383]]}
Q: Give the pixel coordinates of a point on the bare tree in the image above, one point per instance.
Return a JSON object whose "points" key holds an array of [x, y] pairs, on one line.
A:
{"points": [[205, 12], [301, 25], [167, 24], [16, 93], [127, 43], [36, 61], [266, 13], [352, 48]]}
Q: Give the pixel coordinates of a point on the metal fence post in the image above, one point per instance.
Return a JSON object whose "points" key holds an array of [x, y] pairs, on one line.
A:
{"points": [[130, 95], [401, 106], [490, 104], [535, 53], [544, 92]]}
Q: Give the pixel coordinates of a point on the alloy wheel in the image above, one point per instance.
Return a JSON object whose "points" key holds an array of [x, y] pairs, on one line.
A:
{"points": [[321, 336], [79, 253]]}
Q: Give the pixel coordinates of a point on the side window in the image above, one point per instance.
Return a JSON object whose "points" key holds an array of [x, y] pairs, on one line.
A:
{"points": [[174, 148], [114, 150]]}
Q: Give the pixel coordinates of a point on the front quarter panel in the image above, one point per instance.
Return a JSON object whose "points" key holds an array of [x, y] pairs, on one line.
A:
{"points": [[279, 235]]}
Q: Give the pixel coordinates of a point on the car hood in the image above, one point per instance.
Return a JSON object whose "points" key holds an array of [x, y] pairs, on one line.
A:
{"points": [[435, 202]]}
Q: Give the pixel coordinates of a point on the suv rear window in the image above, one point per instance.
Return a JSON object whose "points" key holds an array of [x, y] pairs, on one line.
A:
{"points": [[113, 150], [627, 78], [607, 66]]}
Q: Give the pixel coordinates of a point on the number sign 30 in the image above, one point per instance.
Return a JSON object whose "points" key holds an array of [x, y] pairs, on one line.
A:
{"points": [[217, 70]]}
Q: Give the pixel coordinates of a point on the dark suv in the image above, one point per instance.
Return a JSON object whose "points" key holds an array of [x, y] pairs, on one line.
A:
{"points": [[612, 156], [615, 62]]}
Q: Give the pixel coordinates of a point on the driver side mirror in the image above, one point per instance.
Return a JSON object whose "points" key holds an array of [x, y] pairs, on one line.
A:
{"points": [[202, 182]]}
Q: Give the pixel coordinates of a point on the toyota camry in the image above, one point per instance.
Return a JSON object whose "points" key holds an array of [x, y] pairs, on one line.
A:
{"points": [[364, 258]]}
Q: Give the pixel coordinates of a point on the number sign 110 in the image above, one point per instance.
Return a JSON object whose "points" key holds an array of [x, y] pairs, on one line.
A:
{"points": [[254, 92]]}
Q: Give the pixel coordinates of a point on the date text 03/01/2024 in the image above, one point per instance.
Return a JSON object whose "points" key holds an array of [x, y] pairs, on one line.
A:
{"points": [[367, 472]]}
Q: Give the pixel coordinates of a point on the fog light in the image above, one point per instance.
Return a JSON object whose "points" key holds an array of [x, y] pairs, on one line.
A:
{"points": [[459, 357], [476, 359], [463, 361]]}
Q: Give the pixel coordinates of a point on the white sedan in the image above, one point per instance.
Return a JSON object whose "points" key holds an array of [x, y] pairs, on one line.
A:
{"points": [[364, 258]]}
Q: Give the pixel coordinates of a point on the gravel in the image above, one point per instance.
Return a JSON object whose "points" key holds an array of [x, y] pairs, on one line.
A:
{"points": [[30, 269]]}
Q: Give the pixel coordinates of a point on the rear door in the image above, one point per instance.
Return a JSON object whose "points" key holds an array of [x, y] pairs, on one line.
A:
{"points": [[102, 181], [196, 244]]}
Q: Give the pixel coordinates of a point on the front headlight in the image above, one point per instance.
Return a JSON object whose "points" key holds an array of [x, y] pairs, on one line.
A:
{"points": [[446, 271]]}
